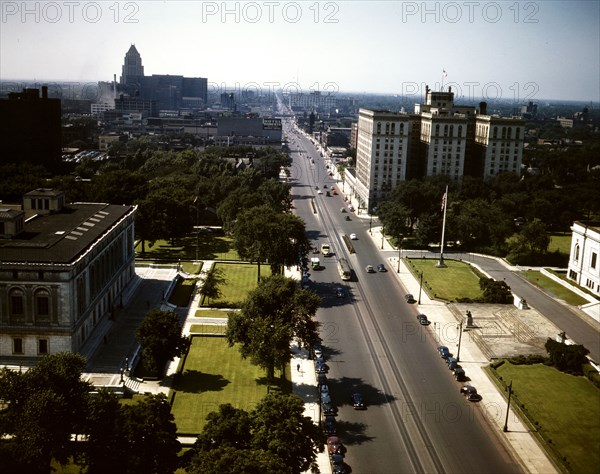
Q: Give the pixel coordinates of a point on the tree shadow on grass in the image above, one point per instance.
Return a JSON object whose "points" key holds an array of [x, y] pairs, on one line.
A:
{"points": [[194, 381], [277, 384]]}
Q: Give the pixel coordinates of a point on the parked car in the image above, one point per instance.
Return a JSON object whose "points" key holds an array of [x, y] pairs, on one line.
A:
{"points": [[328, 408], [443, 351], [357, 401], [423, 321], [342, 209], [459, 374], [338, 466], [469, 392], [410, 299], [370, 269], [381, 268], [324, 389], [329, 426], [348, 218], [321, 368], [319, 192], [452, 363], [334, 445], [353, 237]]}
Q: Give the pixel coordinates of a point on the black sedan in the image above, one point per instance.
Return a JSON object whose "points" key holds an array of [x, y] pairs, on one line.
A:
{"points": [[357, 401]]}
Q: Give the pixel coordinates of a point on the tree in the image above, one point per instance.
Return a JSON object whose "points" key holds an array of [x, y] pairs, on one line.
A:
{"points": [[106, 449], [497, 292], [566, 358], [211, 281], [261, 234], [43, 408], [151, 434], [274, 437], [271, 316], [297, 447], [160, 338]]}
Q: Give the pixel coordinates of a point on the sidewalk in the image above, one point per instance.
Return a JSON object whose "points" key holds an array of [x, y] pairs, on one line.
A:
{"points": [[519, 440]]}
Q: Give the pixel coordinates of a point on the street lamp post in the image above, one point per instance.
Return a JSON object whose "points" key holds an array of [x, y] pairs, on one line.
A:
{"points": [[505, 429], [382, 236], [399, 256], [420, 287], [370, 222], [459, 339]]}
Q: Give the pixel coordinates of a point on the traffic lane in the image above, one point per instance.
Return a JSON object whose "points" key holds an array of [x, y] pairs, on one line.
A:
{"points": [[456, 428], [371, 436]]}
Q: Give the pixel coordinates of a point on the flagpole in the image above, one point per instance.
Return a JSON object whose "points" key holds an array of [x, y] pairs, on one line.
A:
{"points": [[441, 263]]}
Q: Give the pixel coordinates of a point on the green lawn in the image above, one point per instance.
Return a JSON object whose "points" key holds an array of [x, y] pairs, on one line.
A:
{"points": [[560, 241], [208, 329], [566, 409], [215, 373], [205, 247], [183, 292], [240, 279], [553, 288], [211, 313], [455, 281]]}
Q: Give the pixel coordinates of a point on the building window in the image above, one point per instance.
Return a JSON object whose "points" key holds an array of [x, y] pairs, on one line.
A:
{"points": [[594, 258], [17, 345], [16, 302], [576, 252], [42, 303], [42, 346]]}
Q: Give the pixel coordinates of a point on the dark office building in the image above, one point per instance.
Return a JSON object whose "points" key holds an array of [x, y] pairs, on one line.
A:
{"points": [[30, 129], [168, 90]]}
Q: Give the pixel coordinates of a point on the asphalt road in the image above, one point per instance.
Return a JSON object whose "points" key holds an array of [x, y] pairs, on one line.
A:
{"points": [[415, 421]]}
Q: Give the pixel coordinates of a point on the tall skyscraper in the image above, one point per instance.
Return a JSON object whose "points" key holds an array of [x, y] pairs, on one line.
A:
{"points": [[133, 71]]}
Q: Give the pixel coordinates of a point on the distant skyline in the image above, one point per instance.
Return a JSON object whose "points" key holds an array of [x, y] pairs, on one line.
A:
{"points": [[511, 50]]}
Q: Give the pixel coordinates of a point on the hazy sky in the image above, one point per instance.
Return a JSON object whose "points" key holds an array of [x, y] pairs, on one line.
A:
{"points": [[510, 49]]}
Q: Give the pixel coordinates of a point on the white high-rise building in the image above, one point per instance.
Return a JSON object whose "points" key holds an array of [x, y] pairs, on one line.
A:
{"points": [[381, 153], [439, 139]]}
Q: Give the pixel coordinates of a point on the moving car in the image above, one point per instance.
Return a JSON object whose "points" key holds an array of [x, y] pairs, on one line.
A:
{"points": [[347, 218], [353, 237], [469, 392], [357, 401], [381, 268], [370, 269], [319, 192], [339, 292]]}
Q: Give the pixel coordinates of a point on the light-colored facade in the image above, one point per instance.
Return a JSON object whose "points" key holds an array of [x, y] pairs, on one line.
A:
{"points": [[381, 153], [584, 260], [439, 139], [62, 273], [502, 142]]}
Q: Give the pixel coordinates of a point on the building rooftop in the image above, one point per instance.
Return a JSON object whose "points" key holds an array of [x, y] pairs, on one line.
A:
{"points": [[61, 237]]}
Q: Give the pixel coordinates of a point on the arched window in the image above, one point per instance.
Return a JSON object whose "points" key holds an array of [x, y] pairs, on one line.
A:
{"points": [[576, 252], [42, 304], [17, 307]]}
